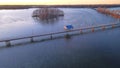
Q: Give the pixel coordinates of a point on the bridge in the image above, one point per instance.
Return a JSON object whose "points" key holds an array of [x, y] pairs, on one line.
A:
{"points": [[66, 33]]}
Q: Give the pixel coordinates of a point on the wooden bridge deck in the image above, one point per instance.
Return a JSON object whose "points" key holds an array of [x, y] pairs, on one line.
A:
{"points": [[80, 30]]}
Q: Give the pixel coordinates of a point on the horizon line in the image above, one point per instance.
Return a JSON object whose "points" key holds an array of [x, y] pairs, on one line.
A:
{"points": [[55, 4]]}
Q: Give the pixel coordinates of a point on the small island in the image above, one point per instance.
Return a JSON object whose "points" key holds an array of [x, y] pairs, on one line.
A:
{"points": [[47, 13]]}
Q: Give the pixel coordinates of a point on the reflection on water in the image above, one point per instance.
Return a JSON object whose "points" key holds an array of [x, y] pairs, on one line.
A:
{"points": [[48, 21], [47, 15]]}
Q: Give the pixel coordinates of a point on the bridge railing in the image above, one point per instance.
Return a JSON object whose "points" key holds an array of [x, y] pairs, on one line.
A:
{"points": [[92, 29]]}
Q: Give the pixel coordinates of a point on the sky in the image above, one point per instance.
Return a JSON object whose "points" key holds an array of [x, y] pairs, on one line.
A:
{"points": [[57, 2]]}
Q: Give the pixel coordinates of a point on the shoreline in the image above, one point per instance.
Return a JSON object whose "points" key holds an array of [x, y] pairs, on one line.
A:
{"points": [[57, 6]]}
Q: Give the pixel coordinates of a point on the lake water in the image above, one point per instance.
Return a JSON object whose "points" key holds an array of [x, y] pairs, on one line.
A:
{"points": [[18, 23], [92, 50]]}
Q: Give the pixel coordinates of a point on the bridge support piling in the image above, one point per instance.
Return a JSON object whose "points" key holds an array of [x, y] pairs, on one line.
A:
{"points": [[8, 44], [67, 36], [81, 31], [51, 36], [113, 25], [93, 29], [103, 27], [31, 39]]}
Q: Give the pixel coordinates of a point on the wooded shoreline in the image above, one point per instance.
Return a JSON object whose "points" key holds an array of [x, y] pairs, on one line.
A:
{"points": [[56, 6]]}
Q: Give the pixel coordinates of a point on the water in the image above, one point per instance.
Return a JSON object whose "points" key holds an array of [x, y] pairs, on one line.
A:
{"points": [[92, 50], [17, 23]]}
